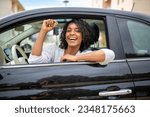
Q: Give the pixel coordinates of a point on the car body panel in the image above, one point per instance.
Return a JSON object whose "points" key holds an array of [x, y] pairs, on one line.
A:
{"points": [[140, 66], [66, 81]]}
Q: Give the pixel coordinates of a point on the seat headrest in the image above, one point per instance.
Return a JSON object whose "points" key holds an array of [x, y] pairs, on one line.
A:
{"points": [[95, 31]]}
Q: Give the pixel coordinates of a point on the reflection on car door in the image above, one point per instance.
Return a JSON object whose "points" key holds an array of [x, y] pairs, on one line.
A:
{"points": [[79, 80]]}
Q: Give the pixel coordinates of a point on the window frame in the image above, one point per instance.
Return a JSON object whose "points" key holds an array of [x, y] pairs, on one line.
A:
{"points": [[58, 17]]}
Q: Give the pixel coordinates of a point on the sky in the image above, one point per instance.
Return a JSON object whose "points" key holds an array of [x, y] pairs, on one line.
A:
{"points": [[34, 4]]}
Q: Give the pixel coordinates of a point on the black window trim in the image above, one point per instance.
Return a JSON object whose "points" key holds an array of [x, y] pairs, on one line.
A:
{"points": [[58, 64]]}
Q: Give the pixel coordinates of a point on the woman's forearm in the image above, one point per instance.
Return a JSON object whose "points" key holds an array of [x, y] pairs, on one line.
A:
{"points": [[37, 48], [104, 56], [97, 56], [47, 26]]}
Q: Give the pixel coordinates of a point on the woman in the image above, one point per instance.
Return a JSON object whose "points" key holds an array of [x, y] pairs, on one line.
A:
{"points": [[75, 39]]}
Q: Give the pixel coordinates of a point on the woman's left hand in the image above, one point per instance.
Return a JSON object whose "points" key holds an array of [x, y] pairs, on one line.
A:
{"points": [[69, 57]]}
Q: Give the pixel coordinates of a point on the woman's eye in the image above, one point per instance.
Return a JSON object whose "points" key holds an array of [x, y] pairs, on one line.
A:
{"points": [[68, 30], [75, 30], [78, 30]]}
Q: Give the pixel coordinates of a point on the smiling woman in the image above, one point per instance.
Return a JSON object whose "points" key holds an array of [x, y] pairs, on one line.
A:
{"points": [[75, 39]]}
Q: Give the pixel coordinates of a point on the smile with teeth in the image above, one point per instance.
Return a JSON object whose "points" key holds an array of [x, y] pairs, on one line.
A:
{"points": [[72, 39]]}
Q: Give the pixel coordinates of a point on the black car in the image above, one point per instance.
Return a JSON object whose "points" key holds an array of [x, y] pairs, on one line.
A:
{"points": [[127, 77]]}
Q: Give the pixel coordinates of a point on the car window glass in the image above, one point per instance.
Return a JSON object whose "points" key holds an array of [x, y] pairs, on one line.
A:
{"points": [[140, 36], [10, 34], [25, 36]]}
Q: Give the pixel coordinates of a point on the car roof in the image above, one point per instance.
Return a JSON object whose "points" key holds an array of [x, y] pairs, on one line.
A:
{"points": [[67, 11], [82, 9]]}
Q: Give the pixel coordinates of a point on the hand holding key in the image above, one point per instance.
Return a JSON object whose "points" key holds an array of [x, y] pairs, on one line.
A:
{"points": [[49, 24]]}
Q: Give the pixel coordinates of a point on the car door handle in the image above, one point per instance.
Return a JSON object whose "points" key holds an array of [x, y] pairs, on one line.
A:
{"points": [[113, 93]]}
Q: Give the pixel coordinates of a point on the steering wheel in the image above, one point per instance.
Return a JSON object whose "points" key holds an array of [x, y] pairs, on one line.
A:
{"points": [[20, 60]]}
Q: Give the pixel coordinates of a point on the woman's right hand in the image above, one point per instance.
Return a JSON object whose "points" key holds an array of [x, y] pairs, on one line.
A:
{"points": [[49, 25]]}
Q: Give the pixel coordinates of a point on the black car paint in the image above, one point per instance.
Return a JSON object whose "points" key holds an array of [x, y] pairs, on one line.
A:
{"points": [[66, 81], [140, 67], [79, 80]]}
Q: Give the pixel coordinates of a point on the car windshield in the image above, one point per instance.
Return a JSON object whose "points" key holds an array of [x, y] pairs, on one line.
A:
{"points": [[10, 34]]}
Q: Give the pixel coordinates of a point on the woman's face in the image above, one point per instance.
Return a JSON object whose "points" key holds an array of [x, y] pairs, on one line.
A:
{"points": [[73, 35]]}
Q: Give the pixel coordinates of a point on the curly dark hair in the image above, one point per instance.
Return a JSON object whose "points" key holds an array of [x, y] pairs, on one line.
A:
{"points": [[87, 34]]}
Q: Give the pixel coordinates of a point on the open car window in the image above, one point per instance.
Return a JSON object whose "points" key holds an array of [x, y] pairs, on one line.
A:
{"points": [[24, 36]]}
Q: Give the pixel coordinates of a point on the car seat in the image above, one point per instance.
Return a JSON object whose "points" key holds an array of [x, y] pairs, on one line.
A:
{"points": [[95, 30]]}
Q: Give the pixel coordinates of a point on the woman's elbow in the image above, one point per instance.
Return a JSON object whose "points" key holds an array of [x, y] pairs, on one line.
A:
{"points": [[107, 55]]}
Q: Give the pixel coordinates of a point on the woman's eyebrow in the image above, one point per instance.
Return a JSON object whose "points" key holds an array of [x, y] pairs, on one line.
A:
{"points": [[74, 28]]}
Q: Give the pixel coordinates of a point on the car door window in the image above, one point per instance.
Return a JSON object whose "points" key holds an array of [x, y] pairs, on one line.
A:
{"points": [[140, 36], [25, 35]]}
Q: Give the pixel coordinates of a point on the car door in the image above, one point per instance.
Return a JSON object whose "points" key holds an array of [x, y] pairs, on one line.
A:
{"points": [[71, 80], [64, 81], [137, 49]]}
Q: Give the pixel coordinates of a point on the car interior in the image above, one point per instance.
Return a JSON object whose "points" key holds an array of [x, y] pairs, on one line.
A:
{"points": [[16, 44]]}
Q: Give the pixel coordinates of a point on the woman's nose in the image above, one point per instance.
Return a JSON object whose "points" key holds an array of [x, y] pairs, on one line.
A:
{"points": [[72, 32]]}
